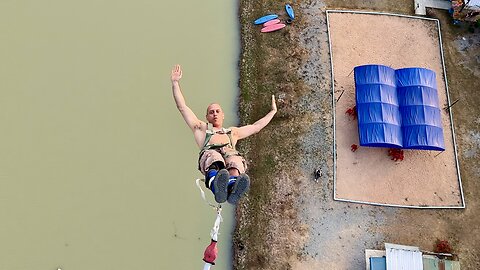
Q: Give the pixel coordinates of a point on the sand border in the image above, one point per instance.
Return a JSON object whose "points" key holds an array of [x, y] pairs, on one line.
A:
{"points": [[449, 110]]}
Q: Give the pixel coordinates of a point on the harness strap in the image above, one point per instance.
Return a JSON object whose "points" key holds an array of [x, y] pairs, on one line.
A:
{"points": [[210, 132], [231, 154], [202, 193], [214, 146]]}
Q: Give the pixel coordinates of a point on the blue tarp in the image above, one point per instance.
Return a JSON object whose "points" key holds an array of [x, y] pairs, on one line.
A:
{"points": [[420, 110], [398, 108], [379, 120]]}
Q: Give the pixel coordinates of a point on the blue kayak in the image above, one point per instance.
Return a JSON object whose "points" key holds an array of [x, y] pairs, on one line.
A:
{"points": [[289, 10], [265, 19]]}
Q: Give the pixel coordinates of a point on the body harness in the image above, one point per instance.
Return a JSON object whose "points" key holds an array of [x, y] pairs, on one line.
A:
{"points": [[218, 146]]}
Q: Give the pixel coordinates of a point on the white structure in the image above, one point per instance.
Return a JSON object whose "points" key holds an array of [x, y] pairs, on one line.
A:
{"points": [[401, 257], [421, 5]]}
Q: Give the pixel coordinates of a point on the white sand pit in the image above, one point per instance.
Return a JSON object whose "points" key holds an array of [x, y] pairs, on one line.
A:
{"points": [[368, 175]]}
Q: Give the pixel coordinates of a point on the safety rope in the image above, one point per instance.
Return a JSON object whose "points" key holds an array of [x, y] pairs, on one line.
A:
{"points": [[211, 251], [203, 194], [216, 225]]}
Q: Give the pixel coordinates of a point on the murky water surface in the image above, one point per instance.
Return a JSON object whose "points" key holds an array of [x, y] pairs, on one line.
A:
{"points": [[97, 167]]}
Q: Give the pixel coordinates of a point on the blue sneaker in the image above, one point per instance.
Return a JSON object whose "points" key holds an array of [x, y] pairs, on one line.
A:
{"points": [[220, 185], [239, 188]]}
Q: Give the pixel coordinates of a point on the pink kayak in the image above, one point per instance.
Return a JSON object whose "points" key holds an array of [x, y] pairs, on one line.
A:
{"points": [[273, 27], [271, 22]]}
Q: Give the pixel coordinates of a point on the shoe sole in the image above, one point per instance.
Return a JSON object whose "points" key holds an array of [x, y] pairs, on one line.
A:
{"points": [[220, 185], [241, 186]]}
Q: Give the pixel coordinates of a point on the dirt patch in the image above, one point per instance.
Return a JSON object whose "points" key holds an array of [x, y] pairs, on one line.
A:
{"points": [[423, 178], [289, 221]]}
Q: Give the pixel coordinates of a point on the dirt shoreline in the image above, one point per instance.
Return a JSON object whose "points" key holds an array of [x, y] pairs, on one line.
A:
{"points": [[289, 221]]}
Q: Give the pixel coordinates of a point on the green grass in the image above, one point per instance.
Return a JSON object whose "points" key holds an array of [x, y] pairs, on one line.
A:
{"points": [[264, 70]]}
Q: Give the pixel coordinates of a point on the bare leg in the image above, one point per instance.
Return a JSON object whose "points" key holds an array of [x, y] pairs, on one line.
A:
{"points": [[233, 172]]}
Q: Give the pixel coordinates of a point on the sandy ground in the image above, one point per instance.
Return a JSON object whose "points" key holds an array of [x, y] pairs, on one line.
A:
{"points": [[290, 221], [423, 178]]}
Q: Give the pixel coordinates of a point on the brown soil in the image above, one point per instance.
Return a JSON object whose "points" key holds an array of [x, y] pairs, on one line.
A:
{"points": [[289, 221], [423, 178]]}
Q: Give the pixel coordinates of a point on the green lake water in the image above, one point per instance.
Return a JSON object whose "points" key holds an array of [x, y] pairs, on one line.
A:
{"points": [[97, 167]]}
